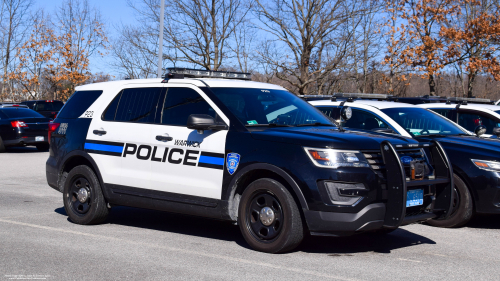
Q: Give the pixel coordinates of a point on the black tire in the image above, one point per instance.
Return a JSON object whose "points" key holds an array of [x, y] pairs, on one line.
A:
{"points": [[91, 211], [42, 146], [463, 206], [2, 146], [285, 232]]}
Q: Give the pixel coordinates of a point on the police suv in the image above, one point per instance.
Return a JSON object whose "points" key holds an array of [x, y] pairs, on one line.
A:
{"points": [[201, 144], [475, 160]]}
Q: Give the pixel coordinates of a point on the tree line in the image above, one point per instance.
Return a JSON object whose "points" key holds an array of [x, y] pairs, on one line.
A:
{"points": [[399, 47]]}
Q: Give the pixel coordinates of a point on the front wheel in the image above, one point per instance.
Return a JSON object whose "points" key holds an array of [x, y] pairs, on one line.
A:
{"points": [[42, 146], [2, 146], [83, 199], [462, 209], [269, 218]]}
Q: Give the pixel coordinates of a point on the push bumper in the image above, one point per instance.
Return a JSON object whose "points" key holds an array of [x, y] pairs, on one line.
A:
{"points": [[393, 211]]}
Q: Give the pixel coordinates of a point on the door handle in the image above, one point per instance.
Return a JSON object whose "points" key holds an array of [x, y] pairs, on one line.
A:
{"points": [[163, 138], [99, 132]]}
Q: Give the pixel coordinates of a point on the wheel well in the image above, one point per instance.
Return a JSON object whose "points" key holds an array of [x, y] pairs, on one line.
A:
{"points": [[69, 165], [243, 182]]}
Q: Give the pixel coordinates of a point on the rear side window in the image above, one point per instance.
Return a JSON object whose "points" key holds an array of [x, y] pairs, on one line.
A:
{"points": [[78, 103], [134, 105], [21, 113], [445, 112], [182, 102]]}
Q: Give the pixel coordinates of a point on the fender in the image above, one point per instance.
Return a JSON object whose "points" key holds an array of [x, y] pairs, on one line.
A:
{"points": [[92, 162], [263, 166]]}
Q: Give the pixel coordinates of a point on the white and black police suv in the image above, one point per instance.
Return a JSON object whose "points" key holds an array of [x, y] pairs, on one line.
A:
{"points": [[212, 144]]}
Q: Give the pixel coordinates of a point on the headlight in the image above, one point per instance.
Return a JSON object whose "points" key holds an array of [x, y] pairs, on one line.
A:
{"points": [[331, 158], [487, 165]]}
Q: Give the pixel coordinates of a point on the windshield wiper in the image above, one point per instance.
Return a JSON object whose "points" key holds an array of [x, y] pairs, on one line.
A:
{"points": [[267, 125], [314, 124]]}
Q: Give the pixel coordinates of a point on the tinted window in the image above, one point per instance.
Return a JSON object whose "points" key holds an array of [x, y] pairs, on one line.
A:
{"points": [[419, 121], [332, 112], [182, 102], [110, 113], [262, 107], [138, 105], [364, 120], [470, 121], [21, 113], [78, 103], [445, 112], [48, 106]]}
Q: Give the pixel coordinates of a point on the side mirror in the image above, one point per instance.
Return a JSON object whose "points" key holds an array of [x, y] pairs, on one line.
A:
{"points": [[480, 130], [496, 131], [201, 122]]}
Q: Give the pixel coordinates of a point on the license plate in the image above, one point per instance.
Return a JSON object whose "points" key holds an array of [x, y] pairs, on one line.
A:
{"points": [[39, 138], [415, 197]]}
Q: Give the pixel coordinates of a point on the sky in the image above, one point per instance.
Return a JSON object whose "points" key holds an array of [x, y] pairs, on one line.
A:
{"points": [[113, 12]]}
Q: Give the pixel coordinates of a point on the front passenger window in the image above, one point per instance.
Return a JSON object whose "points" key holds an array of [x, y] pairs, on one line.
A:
{"points": [[180, 103]]}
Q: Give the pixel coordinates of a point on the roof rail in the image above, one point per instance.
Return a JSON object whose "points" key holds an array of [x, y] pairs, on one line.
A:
{"points": [[181, 73]]}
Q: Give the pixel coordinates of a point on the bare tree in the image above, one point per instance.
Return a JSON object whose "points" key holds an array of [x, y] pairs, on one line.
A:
{"points": [[309, 43], [14, 24], [198, 33]]}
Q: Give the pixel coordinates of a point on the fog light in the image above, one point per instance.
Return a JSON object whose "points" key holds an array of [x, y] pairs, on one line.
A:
{"points": [[345, 193]]}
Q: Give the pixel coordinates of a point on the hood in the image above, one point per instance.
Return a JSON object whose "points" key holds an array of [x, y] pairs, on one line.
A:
{"points": [[328, 137], [468, 142]]}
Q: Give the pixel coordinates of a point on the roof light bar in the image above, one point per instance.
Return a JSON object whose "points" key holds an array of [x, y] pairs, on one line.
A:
{"points": [[175, 72], [471, 100], [361, 96]]}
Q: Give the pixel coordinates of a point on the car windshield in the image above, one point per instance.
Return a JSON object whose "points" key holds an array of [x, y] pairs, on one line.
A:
{"points": [[267, 107], [497, 111], [421, 122], [21, 113]]}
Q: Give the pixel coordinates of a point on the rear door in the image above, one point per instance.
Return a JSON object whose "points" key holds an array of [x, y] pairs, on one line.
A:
{"points": [[120, 139], [183, 160]]}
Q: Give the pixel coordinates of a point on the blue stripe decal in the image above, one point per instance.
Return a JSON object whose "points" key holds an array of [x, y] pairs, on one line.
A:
{"points": [[103, 147], [211, 160]]}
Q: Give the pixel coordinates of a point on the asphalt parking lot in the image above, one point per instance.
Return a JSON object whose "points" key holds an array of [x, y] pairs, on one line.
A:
{"points": [[37, 241]]}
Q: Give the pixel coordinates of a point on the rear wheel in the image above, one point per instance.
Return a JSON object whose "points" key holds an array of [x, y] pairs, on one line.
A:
{"points": [[269, 218], [2, 146], [462, 206], [42, 146], [83, 199]]}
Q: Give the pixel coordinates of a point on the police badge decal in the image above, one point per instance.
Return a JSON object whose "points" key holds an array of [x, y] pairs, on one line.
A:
{"points": [[232, 161]]}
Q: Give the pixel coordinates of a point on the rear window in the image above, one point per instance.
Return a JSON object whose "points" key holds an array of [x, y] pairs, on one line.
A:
{"points": [[21, 113], [48, 106], [78, 103]]}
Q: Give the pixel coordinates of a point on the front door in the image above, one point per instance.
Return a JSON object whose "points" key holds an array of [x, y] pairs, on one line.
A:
{"points": [[186, 161]]}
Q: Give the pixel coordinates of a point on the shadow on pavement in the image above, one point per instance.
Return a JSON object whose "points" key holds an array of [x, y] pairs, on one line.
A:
{"points": [[362, 243], [214, 229], [24, 149], [485, 221]]}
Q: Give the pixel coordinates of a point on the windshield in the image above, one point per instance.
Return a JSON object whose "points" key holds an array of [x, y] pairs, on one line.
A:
{"points": [[264, 107], [419, 121], [497, 111]]}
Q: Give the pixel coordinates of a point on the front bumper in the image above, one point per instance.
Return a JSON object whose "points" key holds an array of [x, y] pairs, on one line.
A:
{"points": [[343, 224]]}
